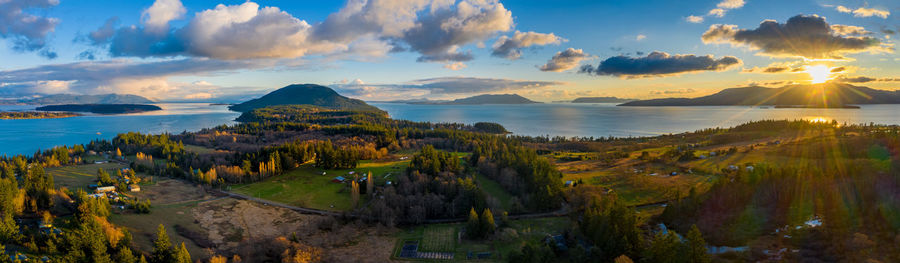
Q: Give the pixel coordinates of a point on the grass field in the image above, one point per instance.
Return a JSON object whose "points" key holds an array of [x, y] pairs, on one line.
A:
{"points": [[198, 149], [307, 187], [80, 176], [143, 226], [494, 189], [443, 237]]}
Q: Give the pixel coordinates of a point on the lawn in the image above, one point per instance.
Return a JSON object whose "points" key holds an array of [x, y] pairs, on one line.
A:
{"points": [[143, 226], [198, 149], [443, 238], [80, 176], [307, 187]]}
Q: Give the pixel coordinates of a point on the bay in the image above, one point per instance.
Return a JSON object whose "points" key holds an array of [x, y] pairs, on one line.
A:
{"points": [[28, 136], [606, 119]]}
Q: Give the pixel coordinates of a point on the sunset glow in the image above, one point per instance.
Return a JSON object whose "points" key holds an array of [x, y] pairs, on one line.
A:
{"points": [[818, 73]]}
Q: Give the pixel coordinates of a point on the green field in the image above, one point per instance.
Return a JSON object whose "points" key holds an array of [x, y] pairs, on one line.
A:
{"points": [[198, 149], [80, 176], [494, 189], [307, 187], [443, 238], [143, 226]]}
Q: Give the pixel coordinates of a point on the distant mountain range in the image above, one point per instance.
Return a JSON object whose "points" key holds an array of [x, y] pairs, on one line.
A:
{"points": [[601, 100], [828, 95], [474, 100], [55, 99], [308, 94], [101, 108]]}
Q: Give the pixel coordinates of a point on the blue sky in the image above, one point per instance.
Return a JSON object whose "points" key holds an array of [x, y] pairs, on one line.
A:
{"points": [[440, 49]]}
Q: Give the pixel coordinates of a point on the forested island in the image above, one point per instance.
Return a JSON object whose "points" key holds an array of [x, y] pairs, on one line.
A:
{"points": [[54, 99], [838, 95], [16, 115], [307, 183], [600, 100], [101, 108]]}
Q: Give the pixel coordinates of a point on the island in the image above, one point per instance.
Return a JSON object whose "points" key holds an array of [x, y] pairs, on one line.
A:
{"points": [[22, 115], [600, 100], [839, 95], [484, 99], [309, 94], [101, 108]]}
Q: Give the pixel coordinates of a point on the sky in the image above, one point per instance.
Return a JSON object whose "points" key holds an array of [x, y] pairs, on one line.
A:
{"points": [[375, 50]]}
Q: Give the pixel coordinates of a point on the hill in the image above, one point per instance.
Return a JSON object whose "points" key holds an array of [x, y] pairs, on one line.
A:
{"points": [[308, 94], [101, 108], [837, 94], [54, 99], [485, 99], [600, 100]]}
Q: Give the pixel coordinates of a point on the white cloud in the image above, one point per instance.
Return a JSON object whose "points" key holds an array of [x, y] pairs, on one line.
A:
{"points": [[511, 47], [640, 37], [455, 66], [731, 4], [156, 18], [565, 60], [441, 88], [694, 19], [864, 12]]}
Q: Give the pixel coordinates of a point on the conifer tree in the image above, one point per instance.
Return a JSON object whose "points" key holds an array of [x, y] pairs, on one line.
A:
{"points": [[473, 226], [696, 246], [370, 184], [182, 255], [487, 222], [162, 247]]}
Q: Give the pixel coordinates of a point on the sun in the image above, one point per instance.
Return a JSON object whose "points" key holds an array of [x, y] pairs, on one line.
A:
{"points": [[818, 73]]}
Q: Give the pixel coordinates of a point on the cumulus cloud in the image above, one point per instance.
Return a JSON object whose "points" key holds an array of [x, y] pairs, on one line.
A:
{"points": [[442, 87], [864, 79], [801, 36], [28, 32], [864, 12], [565, 60], [511, 47], [156, 18], [786, 67], [371, 28], [105, 32], [657, 64]]}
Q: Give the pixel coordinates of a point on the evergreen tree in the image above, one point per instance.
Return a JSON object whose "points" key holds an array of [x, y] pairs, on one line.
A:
{"points": [[487, 222], [125, 256], [696, 247], [162, 247], [354, 192], [473, 227], [664, 248], [182, 255]]}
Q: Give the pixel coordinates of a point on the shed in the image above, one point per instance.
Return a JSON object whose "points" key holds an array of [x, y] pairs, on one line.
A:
{"points": [[339, 179], [104, 189], [134, 188]]}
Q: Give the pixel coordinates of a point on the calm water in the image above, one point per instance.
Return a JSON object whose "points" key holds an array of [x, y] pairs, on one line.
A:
{"points": [[27, 136], [603, 119]]}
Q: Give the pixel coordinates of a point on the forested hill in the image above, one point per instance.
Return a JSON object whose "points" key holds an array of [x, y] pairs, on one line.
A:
{"points": [[80, 99], [101, 108], [837, 94], [308, 94], [600, 100]]}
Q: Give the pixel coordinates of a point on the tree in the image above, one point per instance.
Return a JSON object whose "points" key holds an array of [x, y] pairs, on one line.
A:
{"points": [[354, 192], [664, 248], [162, 247], [182, 255], [370, 184], [696, 246], [487, 222], [118, 153], [124, 255], [473, 226]]}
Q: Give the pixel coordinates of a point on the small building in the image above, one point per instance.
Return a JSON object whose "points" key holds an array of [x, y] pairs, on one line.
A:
{"points": [[750, 168], [339, 179], [673, 174], [92, 186], [569, 183], [134, 188], [105, 189]]}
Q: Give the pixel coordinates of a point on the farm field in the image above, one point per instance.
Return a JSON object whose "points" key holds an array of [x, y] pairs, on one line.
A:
{"points": [[80, 176], [307, 187]]}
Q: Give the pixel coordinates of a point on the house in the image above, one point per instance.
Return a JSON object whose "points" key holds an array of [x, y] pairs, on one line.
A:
{"points": [[673, 174], [134, 188], [339, 179], [104, 189], [92, 186], [750, 168], [96, 195], [568, 183]]}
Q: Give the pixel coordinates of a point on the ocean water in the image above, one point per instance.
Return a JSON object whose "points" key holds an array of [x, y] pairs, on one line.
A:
{"points": [[606, 119], [563, 119], [28, 136]]}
